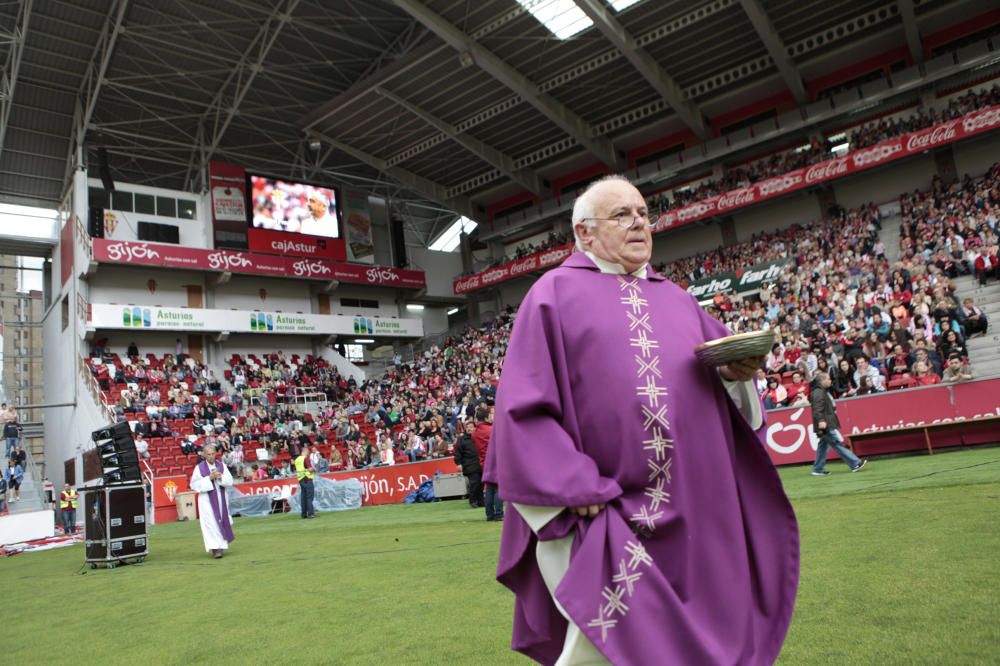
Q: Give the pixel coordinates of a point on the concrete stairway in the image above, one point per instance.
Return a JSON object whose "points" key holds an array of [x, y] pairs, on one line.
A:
{"points": [[890, 237], [984, 351], [31, 491]]}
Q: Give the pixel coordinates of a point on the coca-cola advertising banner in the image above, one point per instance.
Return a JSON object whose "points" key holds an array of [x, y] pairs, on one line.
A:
{"points": [[791, 439], [193, 258], [856, 161], [229, 204], [491, 276], [297, 245], [381, 485]]}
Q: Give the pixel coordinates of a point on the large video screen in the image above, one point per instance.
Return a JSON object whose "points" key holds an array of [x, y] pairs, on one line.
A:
{"points": [[302, 208]]}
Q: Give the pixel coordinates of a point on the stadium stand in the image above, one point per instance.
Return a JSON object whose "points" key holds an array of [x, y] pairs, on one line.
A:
{"points": [[874, 324], [868, 134]]}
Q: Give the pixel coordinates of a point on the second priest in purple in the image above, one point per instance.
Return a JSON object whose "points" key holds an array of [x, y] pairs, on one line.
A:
{"points": [[648, 524]]}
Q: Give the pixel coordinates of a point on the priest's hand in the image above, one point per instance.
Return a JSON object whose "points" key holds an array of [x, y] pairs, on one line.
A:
{"points": [[588, 511], [741, 370]]}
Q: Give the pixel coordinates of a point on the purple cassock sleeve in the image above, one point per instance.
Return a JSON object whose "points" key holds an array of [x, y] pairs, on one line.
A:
{"points": [[546, 466], [602, 401]]}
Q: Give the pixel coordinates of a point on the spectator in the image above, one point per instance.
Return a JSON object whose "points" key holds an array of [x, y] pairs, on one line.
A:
{"points": [[467, 459], [11, 431], [798, 389], [416, 448], [956, 371], [481, 437], [141, 445], [776, 395], [975, 320], [133, 350], [827, 426], [865, 369], [924, 377], [67, 506], [13, 475]]}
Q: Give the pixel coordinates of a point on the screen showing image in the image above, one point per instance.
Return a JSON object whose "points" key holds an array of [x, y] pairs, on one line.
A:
{"points": [[281, 205]]}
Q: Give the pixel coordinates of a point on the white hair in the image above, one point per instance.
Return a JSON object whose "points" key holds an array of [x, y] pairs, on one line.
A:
{"points": [[584, 207], [319, 196]]}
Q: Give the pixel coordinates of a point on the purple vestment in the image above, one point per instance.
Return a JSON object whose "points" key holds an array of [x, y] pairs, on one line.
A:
{"points": [[217, 497], [602, 400]]}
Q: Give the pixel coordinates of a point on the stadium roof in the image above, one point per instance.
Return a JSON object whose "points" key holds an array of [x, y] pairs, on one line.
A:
{"points": [[443, 107]]}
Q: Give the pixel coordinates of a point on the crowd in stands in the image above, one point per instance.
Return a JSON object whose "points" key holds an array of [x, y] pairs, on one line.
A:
{"points": [[817, 151], [278, 406], [845, 309], [885, 129]]}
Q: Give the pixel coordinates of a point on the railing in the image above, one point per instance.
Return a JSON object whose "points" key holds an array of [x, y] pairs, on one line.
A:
{"points": [[90, 381], [83, 237], [82, 309], [31, 470]]}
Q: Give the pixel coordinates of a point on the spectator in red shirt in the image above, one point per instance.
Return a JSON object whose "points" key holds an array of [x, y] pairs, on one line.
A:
{"points": [[797, 388], [481, 438], [923, 376]]}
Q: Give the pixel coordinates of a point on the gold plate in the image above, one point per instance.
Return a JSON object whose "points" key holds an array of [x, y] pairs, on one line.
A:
{"points": [[735, 347]]}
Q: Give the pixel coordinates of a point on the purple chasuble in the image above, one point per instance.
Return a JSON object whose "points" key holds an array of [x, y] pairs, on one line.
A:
{"points": [[695, 560], [220, 506]]}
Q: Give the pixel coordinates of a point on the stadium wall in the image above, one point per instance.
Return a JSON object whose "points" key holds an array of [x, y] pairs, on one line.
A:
{"points": [[193, 233], [148, 342], [67, 429], [252, 293], [684, 242], [435, 320], [251, 344], [887, 183], [440, 269], [512, 292], [975, 157], [387, 306], [782, 214], [125, 285]]}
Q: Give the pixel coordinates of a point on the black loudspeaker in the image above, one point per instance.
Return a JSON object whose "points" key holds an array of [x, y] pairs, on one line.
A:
{"points": [[119, 459], [114, 523], [95, 223], [398, 238]]}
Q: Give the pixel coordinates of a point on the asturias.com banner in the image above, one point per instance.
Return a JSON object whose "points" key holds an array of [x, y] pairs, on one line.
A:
{"points": [[114, 317]]}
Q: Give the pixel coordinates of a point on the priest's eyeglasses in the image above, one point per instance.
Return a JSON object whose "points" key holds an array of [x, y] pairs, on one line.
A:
{"points": [[623, 221]]}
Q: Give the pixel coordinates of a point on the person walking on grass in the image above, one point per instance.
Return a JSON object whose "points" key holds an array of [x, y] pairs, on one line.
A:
{"points": [[827, 427]]}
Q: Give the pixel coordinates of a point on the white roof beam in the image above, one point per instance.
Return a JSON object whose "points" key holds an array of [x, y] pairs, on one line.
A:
{"points": [[93, 81], [526, 178], [913, 40], [775, 48], [243, 74], [8, 77], [528, 90], [646, 65], [419, 184]]}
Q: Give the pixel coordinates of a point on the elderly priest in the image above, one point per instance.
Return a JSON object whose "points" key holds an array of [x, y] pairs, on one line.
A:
{"points": [[649, 525], [210, 480]]}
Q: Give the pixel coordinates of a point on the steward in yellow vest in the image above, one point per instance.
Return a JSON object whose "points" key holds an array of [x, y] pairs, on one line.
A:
{"points": [[304, 470]]}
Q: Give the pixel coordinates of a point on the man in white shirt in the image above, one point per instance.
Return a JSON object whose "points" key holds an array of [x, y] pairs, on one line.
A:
{"points": [[320, 222]]}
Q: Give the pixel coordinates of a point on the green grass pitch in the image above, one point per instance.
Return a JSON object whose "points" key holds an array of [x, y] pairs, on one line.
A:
{"points": [[899, 566]]}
